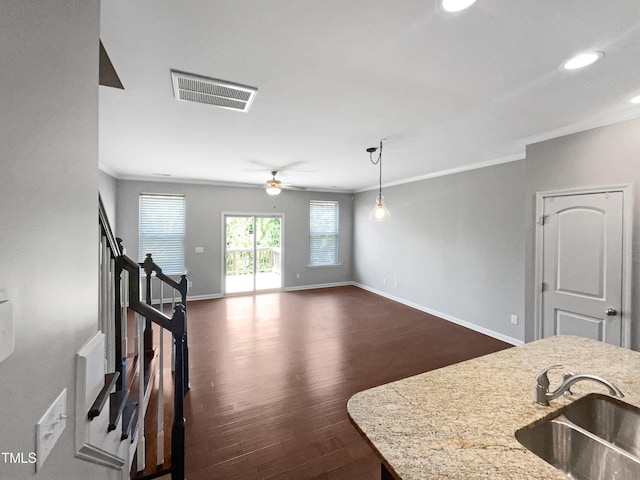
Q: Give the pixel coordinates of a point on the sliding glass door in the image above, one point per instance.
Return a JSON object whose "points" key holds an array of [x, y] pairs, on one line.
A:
{"points": [[253, 253]]}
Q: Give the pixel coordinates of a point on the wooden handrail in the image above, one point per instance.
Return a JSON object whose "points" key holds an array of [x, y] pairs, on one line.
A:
{"points": [[149, 266], [138, 306], [106, 229]]}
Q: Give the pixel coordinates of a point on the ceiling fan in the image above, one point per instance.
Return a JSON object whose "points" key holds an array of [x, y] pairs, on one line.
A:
{"points": [[275, 186]]}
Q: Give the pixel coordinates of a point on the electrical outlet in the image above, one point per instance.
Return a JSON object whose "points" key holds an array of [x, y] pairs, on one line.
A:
{"points": [[514, 319], [50, 428]]}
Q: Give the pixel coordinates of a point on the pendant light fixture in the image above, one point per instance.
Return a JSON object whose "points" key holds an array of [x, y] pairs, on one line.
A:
{"points": [[380, 211]]}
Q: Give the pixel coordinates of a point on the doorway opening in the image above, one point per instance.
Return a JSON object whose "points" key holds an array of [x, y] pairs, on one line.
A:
{"points": [[253, 253]]}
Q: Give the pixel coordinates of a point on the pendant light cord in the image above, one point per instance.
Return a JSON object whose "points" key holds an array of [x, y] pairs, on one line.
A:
{"points": [[379, 161]]}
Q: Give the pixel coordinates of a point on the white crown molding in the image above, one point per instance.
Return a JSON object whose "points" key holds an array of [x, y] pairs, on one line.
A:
{"points": [[520, 154], [522, 143], [590, 124], [450, 171], [217, 183]]}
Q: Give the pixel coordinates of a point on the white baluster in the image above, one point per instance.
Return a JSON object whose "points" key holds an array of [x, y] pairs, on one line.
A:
{"points": [[112, 311], [101, 299], [137, 350], [106, 292], [141, 410], [160, 440], [104, 281]]}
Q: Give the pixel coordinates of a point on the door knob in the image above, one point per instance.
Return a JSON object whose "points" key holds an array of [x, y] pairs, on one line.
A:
{"points": [[611, 312]]}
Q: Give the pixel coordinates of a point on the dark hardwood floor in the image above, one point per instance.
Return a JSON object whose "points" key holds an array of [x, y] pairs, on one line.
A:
{"points": [[271, 375]]}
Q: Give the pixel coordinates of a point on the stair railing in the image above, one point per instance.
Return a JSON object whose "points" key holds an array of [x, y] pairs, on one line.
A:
{"points": [[110, 311], [152, 270], [155, 282], [177, 325], [120, 288]]}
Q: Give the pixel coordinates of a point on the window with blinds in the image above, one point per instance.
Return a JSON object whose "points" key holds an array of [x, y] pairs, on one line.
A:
{"points": [[161, 231], [323, 233]]}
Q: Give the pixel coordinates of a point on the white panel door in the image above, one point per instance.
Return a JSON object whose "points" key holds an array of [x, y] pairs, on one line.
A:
{"points": [[582, 266]]}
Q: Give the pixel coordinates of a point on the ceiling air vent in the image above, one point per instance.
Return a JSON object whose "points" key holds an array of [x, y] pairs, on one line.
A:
{"points": [[195, 88]]}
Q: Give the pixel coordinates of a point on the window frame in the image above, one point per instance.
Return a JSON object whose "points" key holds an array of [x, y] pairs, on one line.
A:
{"points": [[170, 240], [314, 235]]}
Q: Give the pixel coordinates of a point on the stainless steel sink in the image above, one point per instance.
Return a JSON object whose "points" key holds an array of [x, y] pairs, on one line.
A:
{"points": [[596, 437]]}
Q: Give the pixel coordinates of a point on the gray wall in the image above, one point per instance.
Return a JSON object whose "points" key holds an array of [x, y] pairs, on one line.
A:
{"points": [[205, 205], [456, 244], [48, 205], [462, 246], [604, 156]]}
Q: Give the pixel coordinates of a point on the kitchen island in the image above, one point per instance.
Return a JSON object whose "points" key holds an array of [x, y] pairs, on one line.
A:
{"points": [[459, 422]]}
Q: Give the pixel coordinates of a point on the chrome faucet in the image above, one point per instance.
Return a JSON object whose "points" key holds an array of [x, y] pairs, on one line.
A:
{"points": [[542, 394]]}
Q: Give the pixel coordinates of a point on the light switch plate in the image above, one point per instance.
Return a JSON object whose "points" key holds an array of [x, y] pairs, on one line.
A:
{"points": [[50, 428]]}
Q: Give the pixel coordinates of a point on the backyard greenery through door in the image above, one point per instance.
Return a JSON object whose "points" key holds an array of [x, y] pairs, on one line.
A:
{"points": [[253, 253]]}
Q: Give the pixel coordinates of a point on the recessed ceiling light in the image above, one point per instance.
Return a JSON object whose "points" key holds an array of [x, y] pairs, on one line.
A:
{"points": [[635, 99], [582, 60], [453, 6]]}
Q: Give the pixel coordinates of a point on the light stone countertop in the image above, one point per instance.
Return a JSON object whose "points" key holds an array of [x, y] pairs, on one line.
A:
{"points": [[458, 422]]}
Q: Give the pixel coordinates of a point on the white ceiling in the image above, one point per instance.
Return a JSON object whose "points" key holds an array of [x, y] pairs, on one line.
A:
{"points": [[447, 92]]}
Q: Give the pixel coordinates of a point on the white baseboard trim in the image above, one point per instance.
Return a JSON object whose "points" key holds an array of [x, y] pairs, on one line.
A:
{"points": [[319, 285], [212, 296], [190, 298], [444, 316]]}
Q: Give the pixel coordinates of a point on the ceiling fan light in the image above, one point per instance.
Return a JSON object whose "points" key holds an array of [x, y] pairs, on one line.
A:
{"points": [[273, 190]]}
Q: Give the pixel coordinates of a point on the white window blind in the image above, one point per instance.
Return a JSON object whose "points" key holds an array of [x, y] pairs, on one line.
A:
{"points": [[323, 233], [161, 231]]}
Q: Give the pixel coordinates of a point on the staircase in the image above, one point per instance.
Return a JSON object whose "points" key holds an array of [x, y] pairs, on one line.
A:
{"points": [[145, 355]]}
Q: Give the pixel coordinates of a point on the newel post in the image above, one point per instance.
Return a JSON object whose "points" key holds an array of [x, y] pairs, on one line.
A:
{"points": [[120, 319], [179, 323], [147, 265], [121, 357], [183, 294], [183, 289]]}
